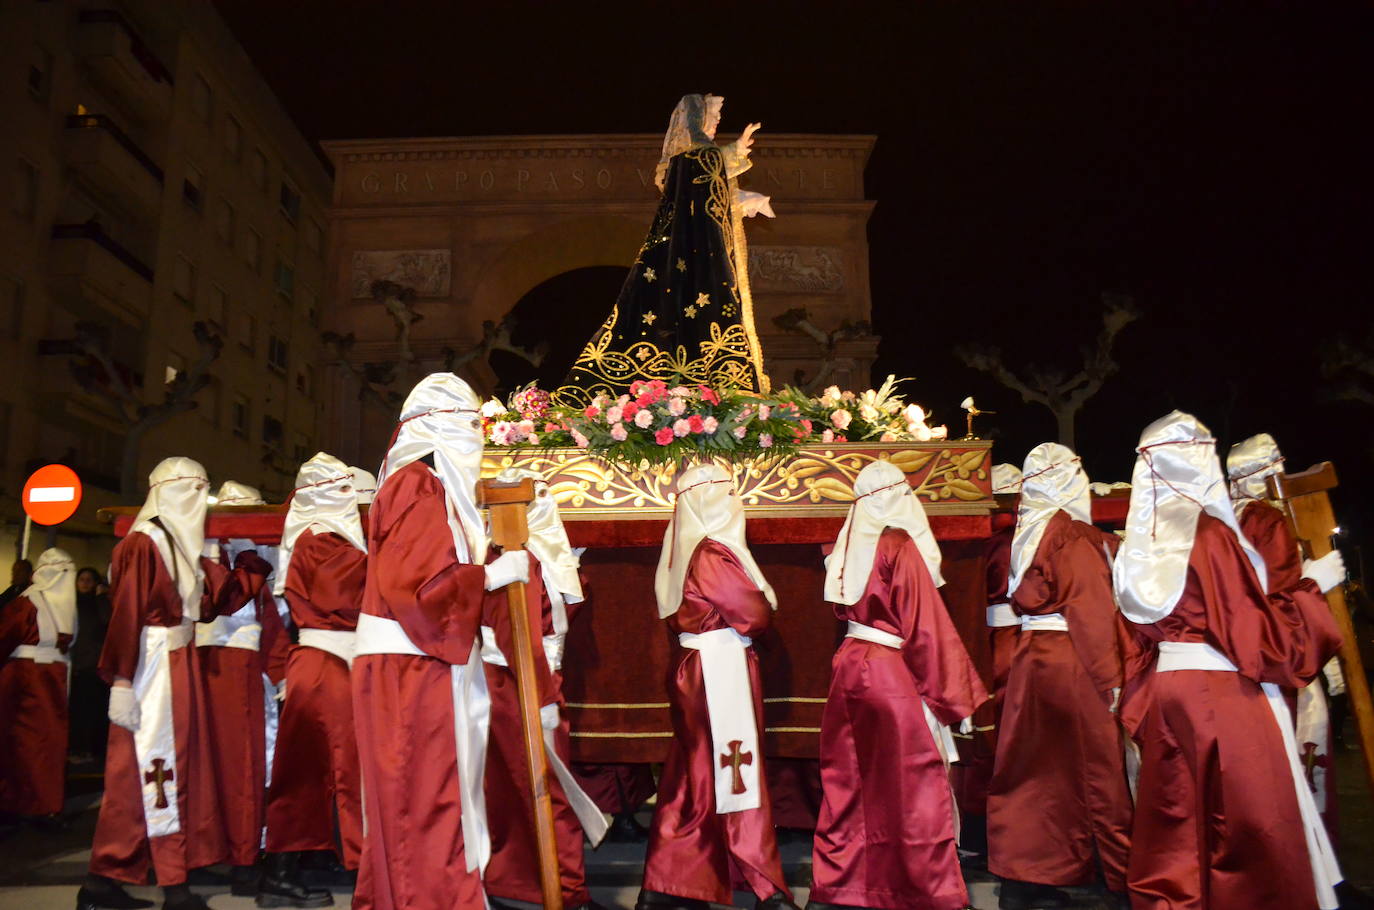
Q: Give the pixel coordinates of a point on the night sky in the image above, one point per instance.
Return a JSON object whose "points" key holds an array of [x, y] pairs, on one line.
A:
{"points": [[1215, 164]]}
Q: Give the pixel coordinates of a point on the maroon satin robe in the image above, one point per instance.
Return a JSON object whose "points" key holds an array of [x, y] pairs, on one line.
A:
{"points": [[1267, 529], [1217, 823], [1060, 804], [1002, 639], [695, 852], [403, 704], [33, 717], [235, 727], [142, 594], [315, 765], [513, 871], [886, 832]]}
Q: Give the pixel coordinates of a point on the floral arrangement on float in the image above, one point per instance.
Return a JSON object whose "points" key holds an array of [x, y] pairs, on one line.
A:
{"points": [[659, 423]]}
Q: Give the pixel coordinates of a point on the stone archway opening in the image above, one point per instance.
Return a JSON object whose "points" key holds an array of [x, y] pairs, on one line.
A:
{"points": [[561, 313]]}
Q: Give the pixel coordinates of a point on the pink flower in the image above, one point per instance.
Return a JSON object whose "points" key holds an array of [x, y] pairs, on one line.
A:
{"points": [[709, 395], [501, 432], [740, 431], [591, 411], [887, 437], [680, 391], [613, 414], [532, 439], [551, 428], [695, 423], [745, 414], [806, 427], [841, 418], [663, 436], [618, 432], [828, 436], [676, 406], [629, 409], [526, 427], [765, 440], [710, 425], [622, 400], [644, 418], [579, 439], [764, 411], [681, 427]]}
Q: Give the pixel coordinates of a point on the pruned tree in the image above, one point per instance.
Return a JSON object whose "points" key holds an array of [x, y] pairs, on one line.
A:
{"points": [[374, 378], [797, 320], [1350, 365], [495, 337], [93, 367], [1052, 386]]}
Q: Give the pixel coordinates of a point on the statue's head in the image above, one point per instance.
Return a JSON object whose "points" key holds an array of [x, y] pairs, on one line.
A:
{"points": [[711, 115]]}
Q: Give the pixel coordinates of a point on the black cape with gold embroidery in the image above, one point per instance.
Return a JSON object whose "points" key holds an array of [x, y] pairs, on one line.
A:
{"points": [[684, 311]]}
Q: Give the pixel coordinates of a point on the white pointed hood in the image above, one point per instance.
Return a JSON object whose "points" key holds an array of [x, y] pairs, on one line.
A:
{"points": [[1052, 479], [322, 501], [173, 517]]}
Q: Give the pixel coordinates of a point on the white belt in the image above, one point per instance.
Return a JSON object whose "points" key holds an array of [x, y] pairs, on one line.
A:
{"points": [[155, 743], [1198, 655], [876, 636], [1047, 622], [1002, 615], [492, 653], [39, 654], [730, 710], [240, 629], [342, 643], [471, 723]]}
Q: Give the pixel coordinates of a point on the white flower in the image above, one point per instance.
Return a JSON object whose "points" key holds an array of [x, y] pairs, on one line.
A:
{"points": [[915, 414], [919, 432], [676, 406], [830, 397], [940, 432], [868, 412], [493, 407], [644, 417]]}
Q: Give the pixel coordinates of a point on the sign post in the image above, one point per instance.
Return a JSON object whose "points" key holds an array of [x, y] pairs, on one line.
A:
{"points": [[51, 496]]}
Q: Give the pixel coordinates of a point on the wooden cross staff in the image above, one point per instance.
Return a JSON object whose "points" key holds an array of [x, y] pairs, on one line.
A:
{"points": [[507, 501], [1313, 522]]}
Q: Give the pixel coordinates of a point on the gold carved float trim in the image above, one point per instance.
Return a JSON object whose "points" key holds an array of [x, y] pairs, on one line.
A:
{"points": [[952, 478]]}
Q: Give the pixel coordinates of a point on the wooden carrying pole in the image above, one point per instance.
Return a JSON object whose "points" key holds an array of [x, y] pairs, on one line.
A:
{"points": [[1313, 521], [507, 502]]}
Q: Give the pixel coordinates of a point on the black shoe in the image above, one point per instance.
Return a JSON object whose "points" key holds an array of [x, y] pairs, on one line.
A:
{"points": [[657, 900], [243, 881], [188, 901], [1030, 896], [624, 829], [776, 901], [589, 905], [281, 885], [105, 894]]}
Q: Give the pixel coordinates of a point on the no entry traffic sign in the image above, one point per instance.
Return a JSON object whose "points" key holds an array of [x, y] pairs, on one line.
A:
{"points": [[51, 494]]}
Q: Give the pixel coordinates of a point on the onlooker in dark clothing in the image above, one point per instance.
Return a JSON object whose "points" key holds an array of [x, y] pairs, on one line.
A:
{"points": [[21, 575], [90, 695]]}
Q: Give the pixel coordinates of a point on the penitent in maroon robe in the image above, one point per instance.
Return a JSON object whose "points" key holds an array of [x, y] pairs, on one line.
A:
{"points": [[1217, 823], [513, 871], [886, 831], [232, 677], [413, 857], [694, 851], [33, 717], [315, 765], [1002, 639], [1060, 805], [142, 594]]}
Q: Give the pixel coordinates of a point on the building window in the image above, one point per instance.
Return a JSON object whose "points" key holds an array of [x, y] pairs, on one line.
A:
{"points": [[290, 202], [219, 307], [246, 330], [252, 253], [233, 138], [305, 379], [184, 280], [12, 307], [209, 404], [193, 188], [239, 416], [26, 189], [276, 354], [224, 222], [311, 305], [301, 449], [258, 169], [285, 278], [272, 431], [40, 74], [314, 236], [201, 99]]}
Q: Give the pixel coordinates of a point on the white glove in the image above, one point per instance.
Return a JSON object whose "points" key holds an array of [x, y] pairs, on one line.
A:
{"points": [[280, 694], [1335, 677], [1327, 572], [966, 725], [1116, 699], [124, 708], [508, 568]]}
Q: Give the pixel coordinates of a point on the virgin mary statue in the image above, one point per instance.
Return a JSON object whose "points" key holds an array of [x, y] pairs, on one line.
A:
{"points": [[684, 312]]}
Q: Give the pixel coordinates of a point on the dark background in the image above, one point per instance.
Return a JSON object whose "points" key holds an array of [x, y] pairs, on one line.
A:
{"points": [[1213, 162]]}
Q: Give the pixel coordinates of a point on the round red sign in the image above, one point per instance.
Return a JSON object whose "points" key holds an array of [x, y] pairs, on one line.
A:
{"points": [[51, 494]]}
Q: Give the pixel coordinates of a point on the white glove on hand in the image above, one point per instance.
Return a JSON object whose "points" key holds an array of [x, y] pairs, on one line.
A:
{"points": [[124, 708], [1327, 572], [508, 568], [1335, 677], [966, 725]]}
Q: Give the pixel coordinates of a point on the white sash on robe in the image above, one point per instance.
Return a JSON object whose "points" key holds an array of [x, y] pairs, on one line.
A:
{"points": [[239, 629], [730, 709], [342, 643], [1326, 873], [155, 743]]}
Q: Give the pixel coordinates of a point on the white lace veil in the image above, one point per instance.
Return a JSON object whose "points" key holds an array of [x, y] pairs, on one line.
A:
{"points": [[686, 128]]}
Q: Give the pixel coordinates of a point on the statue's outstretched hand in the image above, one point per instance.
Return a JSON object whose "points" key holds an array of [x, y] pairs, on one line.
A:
{"points": [[746, 138]]}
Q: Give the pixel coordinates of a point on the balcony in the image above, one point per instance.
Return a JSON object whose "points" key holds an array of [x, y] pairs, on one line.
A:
{"points": [[112, 166], [119, 59], [90, 273]]}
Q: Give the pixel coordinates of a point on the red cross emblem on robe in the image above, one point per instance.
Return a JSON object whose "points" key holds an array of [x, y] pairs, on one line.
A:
{"points": [[159, 775], [732, 760]]}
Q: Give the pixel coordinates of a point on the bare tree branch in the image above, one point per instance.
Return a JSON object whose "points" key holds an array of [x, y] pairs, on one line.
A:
{"points": [[799, 321]]}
